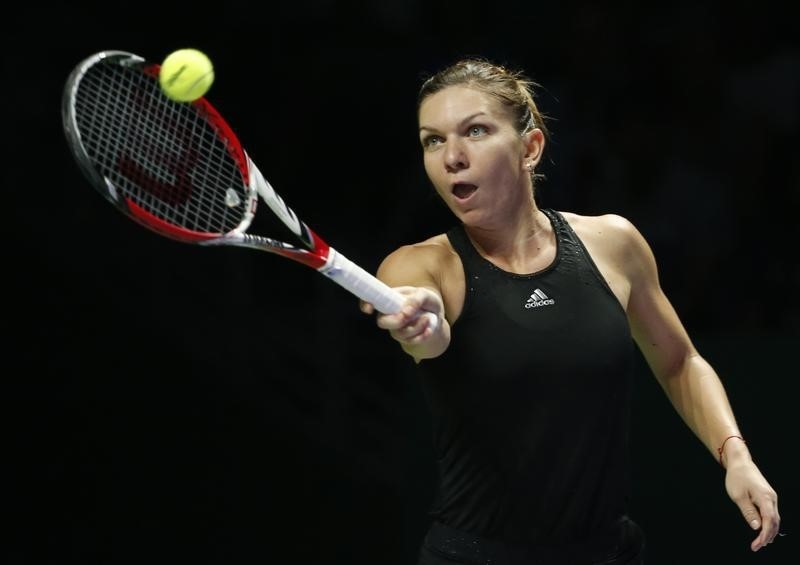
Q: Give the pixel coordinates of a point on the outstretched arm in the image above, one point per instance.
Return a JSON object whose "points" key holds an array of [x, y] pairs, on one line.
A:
{"points": [[694, 388], [413, 271]]}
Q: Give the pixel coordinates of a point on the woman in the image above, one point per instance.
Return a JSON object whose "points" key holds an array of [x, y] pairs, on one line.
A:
{"points": [[528, 371]]}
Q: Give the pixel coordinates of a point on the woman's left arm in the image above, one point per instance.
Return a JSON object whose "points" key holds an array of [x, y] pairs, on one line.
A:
{"points": [[693, 386]]}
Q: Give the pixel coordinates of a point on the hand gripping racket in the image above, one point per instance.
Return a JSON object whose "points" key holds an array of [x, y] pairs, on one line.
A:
{"points": [[178, 169]]}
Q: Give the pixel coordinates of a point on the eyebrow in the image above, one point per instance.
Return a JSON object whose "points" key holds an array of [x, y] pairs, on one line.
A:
{"points": [[461, 123]]}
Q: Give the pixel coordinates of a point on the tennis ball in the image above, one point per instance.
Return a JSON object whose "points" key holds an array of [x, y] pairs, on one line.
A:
{"points": [[186, 75]]}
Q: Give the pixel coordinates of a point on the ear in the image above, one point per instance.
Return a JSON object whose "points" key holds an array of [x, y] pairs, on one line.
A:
{"points": [[534, 146]]}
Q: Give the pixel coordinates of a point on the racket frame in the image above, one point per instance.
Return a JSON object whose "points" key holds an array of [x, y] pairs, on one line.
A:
{"points": [[315, 252]]}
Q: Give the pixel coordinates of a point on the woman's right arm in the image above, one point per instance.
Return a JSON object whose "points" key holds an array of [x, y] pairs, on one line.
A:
{"points": [[412, 270]]}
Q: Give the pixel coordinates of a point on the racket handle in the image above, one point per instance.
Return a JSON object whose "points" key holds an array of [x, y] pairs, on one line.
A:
{"points": [[344, 272]]}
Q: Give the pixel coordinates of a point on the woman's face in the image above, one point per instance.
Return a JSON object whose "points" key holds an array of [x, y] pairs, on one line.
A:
{"points": [[474, 157]]}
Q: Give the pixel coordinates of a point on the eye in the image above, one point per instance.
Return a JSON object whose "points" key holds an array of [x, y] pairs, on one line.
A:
{"points": [[477, 131], [431, 141]]}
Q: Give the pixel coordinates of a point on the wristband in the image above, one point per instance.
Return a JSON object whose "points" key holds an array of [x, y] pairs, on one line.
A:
{"points": [[721, 447]]}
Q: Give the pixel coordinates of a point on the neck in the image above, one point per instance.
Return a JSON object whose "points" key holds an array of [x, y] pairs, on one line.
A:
{"points": [[516, 242]]}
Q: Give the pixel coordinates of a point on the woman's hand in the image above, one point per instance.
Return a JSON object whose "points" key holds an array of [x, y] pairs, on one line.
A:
{"points": [[411, 328], [756, 499]]}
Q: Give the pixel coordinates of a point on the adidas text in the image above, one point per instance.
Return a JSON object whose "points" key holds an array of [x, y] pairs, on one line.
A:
{"points": [[537, 303], [537, 299]]}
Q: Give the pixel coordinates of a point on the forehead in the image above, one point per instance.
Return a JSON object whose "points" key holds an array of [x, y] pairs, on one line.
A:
{"points": [[454, 103]]}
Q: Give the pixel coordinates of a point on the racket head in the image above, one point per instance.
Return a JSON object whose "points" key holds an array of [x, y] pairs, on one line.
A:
{"points": [[176, 168]]}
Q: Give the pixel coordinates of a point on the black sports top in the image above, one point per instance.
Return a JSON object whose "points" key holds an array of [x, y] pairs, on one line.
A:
{"points": [[530, 402]]}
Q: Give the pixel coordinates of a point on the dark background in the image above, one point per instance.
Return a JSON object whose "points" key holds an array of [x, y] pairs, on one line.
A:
{"points": [[174, 404]]}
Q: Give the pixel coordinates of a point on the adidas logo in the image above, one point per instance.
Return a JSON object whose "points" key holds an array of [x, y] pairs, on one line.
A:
{"points": [[538, 298]]}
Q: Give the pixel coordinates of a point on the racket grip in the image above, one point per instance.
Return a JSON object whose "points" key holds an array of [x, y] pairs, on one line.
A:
{"points": [[384, 298]]}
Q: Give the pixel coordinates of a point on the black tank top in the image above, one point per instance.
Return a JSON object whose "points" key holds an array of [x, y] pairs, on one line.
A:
{"points": [[530, 402]]}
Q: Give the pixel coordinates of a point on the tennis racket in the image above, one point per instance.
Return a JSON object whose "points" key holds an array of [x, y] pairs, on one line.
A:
{"points": [[178, 169]]}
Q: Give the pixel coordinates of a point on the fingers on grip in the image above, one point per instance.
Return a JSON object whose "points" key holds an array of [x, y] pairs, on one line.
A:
{"points": [[433, 320]]}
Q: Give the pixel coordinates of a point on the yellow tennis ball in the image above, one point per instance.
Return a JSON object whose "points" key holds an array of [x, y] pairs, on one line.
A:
{"points": [[186, 75]]}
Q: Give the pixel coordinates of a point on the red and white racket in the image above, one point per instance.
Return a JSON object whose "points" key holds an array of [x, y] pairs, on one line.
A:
{"points": [[178, 169]]}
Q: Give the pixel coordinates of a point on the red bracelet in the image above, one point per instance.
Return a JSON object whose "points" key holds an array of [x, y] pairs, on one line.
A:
{"points": [[721, 447]]}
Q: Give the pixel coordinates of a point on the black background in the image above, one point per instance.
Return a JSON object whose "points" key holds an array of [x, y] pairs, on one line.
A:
{"points": [[174, 404]]}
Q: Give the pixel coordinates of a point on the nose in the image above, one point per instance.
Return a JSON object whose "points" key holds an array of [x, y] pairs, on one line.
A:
{"points": [[455, 158]]}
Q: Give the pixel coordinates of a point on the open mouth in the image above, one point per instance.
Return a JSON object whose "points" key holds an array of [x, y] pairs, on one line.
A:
{"points": [[463, 190]]}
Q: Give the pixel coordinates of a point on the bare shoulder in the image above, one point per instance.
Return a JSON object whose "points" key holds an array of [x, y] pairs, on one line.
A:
{"points": [[418, 264], [618, 230], [612, 225], [613, 237], [436, 247]]}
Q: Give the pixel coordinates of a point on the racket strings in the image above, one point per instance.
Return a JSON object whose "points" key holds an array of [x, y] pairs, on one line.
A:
{"points": [[163, 156]]}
